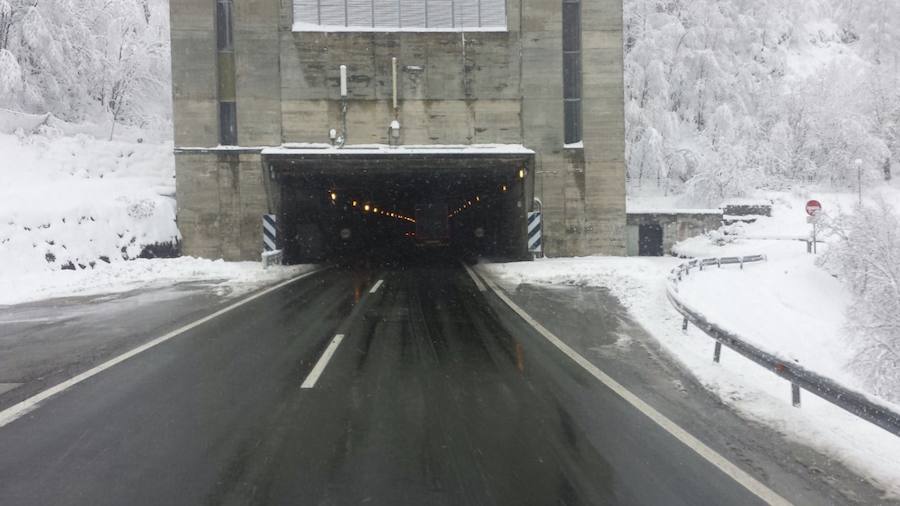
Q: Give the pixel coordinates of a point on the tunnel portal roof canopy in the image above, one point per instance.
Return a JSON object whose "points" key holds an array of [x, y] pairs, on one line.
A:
{"points": [[318, 150], [393, 158]]}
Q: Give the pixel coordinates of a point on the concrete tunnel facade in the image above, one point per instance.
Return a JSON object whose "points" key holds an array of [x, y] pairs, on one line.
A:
{"points": [[257, 91]]}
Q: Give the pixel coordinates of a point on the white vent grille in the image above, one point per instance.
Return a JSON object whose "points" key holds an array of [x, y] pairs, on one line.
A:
{"points": [[399, 15]]}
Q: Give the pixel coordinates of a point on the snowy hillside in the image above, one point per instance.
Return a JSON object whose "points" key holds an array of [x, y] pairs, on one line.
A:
{"points": [[72, 201], [725, 97]]}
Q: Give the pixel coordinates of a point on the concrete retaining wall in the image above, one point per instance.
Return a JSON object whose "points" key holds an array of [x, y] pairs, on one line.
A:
{"points": [[676, 226]]}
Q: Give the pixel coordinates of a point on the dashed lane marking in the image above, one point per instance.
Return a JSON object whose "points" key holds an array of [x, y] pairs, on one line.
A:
{"points": [[317, 371], [377, 286], [726, 466]]}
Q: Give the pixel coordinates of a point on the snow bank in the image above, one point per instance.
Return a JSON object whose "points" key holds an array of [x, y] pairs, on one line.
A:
{"points": [[788, 306], [753, 391], [10, 121], [226, 278], [77, 201]]}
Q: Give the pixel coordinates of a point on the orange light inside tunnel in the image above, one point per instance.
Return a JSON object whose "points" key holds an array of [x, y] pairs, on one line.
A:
{"points": [[333, 196], [366, 208]]}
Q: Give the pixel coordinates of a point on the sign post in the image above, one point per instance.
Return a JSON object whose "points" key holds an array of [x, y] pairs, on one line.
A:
{"points": [[813, 208]]}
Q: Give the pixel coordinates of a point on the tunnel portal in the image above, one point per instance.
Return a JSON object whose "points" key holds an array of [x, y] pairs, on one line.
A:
{"points": [[402, 203]]}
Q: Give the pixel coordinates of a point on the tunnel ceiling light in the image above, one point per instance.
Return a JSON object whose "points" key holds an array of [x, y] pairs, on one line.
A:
{"points": [[366, 208], [333, 196], [503, 188], [521, 173], [354, 203], [375, 210]]}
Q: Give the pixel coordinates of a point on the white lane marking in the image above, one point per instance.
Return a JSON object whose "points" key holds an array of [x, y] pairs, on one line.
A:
{"points": [[317, 371], [478, 283], [377, 286], [16, 411], [26, 320], [737, 474]]}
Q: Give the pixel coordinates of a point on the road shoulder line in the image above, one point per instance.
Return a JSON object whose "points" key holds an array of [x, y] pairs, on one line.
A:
{"points": [[753, 485], [478, 283], [24, 407]]}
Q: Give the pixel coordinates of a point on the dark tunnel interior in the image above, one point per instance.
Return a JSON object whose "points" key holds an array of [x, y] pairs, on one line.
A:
{"points": [[399, 213]]}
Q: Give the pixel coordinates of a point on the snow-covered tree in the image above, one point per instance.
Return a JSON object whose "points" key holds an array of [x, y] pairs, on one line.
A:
{"points": [[86, 59], [725, 96], [866, 257]]}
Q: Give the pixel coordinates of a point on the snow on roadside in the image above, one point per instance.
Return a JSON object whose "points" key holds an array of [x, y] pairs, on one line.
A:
{"points": [[224, 278], [787, 306], [70, 201], [756, 393], [74, 206]]}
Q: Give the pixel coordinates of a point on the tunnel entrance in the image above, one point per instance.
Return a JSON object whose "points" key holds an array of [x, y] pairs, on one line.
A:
{"points": [[403, 203]]}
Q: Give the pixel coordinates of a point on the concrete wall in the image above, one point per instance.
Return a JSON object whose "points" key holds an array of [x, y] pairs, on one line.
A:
{"points": [[455, 88], [676, 227], [194, 79], [221, 200]]}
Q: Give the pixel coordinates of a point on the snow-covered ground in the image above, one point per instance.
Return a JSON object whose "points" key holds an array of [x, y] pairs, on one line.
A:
{"points": [[77, 200], [75, 206], [787, 305], [224, 278]]}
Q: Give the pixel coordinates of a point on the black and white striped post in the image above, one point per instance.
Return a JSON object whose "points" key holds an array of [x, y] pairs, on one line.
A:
{"points": [[271, 254], [535, 230], [270, 232]]}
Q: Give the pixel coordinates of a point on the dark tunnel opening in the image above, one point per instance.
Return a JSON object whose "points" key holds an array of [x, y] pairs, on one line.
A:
{"points": [[401, 211]]}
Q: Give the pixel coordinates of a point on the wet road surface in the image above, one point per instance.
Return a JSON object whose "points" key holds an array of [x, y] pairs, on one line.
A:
{"points": [[434, 396]]}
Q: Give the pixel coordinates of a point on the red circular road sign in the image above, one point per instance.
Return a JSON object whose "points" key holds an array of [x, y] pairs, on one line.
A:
{"points": [[813, 207]]}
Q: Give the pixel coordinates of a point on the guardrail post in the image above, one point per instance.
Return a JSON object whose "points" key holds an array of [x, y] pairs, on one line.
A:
{"points": [[852, 401], [795, 395]]}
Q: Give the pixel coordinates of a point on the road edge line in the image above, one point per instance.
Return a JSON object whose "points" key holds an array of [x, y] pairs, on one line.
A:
{"points": [[28, 405], [750, 483], [478, 283]]}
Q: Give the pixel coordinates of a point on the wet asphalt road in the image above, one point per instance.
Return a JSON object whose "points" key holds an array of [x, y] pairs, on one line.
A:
{"points": [[435, 396]]}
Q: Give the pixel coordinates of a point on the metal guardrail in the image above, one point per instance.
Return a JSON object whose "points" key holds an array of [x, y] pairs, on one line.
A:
{"points": [[800, 378]]}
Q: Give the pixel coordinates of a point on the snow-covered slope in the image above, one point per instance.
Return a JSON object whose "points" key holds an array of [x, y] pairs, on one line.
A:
{"points": [[73, 201], [724, 97]]}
